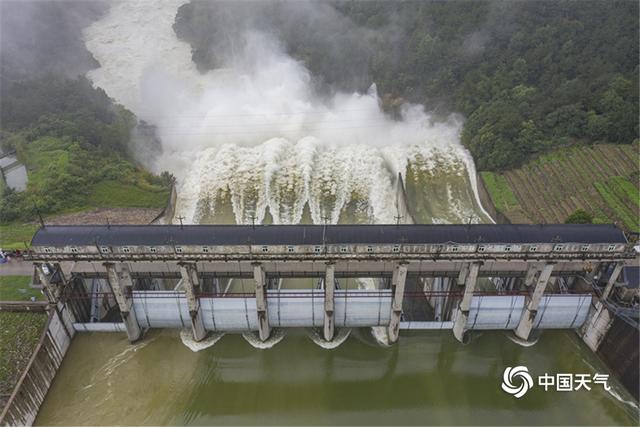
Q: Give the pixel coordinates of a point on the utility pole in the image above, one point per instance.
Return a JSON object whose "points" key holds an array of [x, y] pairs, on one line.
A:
{"points": [[253, 220], [398, 218], [403, 240], [180, 218], [39, 216]]}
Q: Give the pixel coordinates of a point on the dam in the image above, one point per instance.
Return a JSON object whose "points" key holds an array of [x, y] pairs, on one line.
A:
{"points": [[455, 277]]}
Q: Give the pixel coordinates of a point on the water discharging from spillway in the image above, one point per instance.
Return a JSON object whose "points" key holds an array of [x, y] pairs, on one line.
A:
{"points": [[253, 139], [250, 143]]}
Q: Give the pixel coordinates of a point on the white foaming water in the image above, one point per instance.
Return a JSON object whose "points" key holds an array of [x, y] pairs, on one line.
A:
{"points": [[186, 336], [341, 336], [379, 333], [276, 336], [255, 131]]}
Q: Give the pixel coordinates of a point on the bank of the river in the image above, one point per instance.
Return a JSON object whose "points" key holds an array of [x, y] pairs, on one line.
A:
{"points": [[19, 332]]}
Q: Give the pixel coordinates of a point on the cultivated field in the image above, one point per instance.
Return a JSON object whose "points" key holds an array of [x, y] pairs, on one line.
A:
{"points": [[601, 179]]}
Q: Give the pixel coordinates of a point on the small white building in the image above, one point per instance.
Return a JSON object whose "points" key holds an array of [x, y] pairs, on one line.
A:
{"points": [[12, 172]]}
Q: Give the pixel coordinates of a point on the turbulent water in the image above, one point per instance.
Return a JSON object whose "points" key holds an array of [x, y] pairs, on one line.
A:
{"points": [[428, 379], [250, 142], [254, 138]]}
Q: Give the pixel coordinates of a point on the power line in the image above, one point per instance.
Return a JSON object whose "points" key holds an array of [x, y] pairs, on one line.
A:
{"points": [[329, 111], [289, 123], [274, 130]]}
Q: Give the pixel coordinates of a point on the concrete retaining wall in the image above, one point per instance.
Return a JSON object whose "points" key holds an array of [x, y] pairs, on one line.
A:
{"points": [[619, 350], [24, 403], [166, 216], [402, 203], [615, 342]]}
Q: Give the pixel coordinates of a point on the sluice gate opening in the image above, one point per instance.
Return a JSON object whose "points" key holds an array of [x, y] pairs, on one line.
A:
{"points": [[229, 278]]}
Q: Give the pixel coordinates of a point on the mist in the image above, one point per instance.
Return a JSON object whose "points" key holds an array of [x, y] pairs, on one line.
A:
{"points": [[258, 125], [38, 37]]}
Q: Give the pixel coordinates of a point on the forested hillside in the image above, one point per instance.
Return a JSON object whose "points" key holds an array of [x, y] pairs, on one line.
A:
{"points": [[73, 139], [529, 76]]}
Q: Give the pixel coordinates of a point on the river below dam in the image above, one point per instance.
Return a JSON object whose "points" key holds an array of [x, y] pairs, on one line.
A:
{"points": [[427, 378]]}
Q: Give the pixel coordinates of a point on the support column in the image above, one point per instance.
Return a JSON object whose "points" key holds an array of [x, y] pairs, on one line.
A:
{"points": [[121, 284], [531, 306], [462, 314], [462, 275], [329, 304], [531, 275], [261, 301], [612, 280], [50, 290], [191, 285], [398, 280]]}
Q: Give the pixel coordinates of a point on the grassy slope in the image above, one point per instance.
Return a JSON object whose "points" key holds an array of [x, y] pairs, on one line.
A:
{"points": [[500, 189], [600, 179], [107, 194], [13, 235], [114, 194], [16, 288], [19, 334]]}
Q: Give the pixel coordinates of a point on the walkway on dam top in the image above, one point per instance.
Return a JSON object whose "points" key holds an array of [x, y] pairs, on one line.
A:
{"points": [[322, 234]]}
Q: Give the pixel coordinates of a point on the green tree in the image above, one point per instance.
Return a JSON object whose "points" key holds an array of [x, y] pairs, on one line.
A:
{"points": [[580, 216]]}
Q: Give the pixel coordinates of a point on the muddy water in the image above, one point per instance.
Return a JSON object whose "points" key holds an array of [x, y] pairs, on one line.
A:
{"points": [[428, 378]]}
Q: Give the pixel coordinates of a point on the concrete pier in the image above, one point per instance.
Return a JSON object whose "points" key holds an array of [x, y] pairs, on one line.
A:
{"points": [[329, 303], [261, 301], [191, 285], [612, 280], [122, 285], [398, 279], [470, 279], [435, 256], [531, 275], [50, 291], [531, 306]]}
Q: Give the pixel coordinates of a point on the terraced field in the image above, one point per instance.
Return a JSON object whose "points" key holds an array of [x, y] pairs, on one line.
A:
{"points": [[601, 179]]}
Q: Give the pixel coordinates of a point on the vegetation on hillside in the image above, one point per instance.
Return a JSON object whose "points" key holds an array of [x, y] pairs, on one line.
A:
{"points": [[74, 142], [529, 76], [601, 181], [16, 236], [580, 216]]}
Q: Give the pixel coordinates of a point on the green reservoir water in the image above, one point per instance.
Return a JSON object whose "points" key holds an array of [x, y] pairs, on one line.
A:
{"points": [[428, 378]]}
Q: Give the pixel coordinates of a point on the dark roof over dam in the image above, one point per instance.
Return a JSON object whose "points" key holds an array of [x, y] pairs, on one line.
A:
{"points": [[158, 235]]}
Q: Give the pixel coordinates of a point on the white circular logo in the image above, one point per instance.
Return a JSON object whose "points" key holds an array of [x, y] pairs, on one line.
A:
{"points": [[519, 374]]}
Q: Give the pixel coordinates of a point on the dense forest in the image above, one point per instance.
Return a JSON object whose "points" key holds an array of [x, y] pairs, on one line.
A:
{"points": [[528, 76]]}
